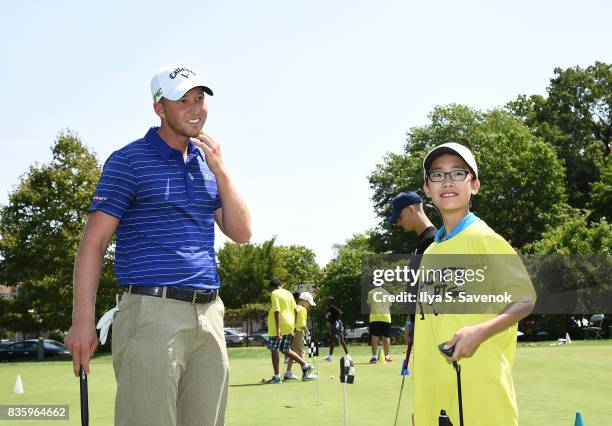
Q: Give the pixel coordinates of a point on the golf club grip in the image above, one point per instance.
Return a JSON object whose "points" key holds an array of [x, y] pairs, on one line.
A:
{"points": [[84, 397]]}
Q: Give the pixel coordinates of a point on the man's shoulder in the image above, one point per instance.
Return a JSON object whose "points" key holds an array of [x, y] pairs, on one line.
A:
{"points": [[282, 293], [129, 150], [135, 147], [428, 234]]}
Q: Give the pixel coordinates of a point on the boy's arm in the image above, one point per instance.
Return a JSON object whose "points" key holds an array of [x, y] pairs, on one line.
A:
{"points": [[277, 319], [467, 339]]}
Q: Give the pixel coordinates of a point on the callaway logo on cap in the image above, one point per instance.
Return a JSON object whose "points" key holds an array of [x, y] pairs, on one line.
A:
{"points": [[174, 80]]}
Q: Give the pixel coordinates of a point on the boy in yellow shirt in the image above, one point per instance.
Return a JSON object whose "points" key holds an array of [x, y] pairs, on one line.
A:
{"points": [[483, 340], [304, 302], [281, 323]]}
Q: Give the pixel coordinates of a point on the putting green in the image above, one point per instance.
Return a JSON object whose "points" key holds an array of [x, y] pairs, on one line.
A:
{"points": [[552, 382]]}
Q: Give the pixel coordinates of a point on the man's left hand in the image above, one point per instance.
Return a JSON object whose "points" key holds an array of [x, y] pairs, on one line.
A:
{"points": [[212, 152]]}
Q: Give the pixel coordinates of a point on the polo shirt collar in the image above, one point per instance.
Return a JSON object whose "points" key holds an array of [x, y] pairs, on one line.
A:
{"points": [[193, 150], [465, 222], [164, 150]]}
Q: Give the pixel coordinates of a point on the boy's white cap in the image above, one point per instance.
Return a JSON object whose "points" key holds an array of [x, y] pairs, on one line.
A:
{"points": [[450, 148], [174, 80], [307, 297]]}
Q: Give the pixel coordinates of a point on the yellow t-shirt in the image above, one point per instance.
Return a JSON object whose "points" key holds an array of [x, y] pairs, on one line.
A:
{"points": [[300, 319], [380, 308], [486, 376], [282, 301]]}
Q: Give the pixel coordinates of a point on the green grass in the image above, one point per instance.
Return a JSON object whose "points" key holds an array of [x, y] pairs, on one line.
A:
{"points": [[551, 383]]}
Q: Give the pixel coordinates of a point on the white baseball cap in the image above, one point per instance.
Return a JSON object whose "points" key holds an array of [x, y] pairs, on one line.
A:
{"points": [[308, 297], [174, 80], [450, 148]]}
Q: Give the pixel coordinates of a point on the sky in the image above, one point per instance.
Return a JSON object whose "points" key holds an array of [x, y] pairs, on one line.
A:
{"points": [[309, 95]]}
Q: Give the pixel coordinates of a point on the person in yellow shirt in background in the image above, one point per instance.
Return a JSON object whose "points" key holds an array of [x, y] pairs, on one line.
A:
{"points": [[304, 302], [483, 340], [380, 321], [281, 324]]}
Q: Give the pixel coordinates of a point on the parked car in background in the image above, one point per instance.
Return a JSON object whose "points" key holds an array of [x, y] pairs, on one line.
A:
{"points": [[359, 331], [28, 350], [397, 331], [234, 337], [258, 339]]}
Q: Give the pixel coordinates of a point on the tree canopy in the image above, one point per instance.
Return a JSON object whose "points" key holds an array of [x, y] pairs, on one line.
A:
{"points": [[520, 195], [40, 230], [576, 119]]}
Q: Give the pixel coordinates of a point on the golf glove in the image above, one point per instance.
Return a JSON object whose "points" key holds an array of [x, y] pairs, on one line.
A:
{"points": [[106, 321]]}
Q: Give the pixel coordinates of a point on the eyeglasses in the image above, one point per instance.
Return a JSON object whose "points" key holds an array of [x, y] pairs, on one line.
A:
{"points": [[440, 176]]}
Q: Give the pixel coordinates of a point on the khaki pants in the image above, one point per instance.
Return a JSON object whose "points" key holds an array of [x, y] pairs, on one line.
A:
{"points": [[297, 344], [170, 362]]}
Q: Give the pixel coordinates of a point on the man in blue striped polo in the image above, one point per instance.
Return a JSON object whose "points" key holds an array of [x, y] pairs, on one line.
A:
{"points": [[161, 196]]}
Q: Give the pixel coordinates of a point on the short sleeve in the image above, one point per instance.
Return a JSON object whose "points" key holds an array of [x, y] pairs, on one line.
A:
{"points": [[116, 188]]}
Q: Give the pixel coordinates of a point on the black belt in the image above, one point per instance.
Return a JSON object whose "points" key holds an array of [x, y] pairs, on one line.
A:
{"points": [[193, 296]]}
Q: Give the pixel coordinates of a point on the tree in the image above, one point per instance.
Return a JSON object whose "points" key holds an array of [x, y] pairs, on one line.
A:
{"points": [[522, 192], [299, 266], [39, 236], [246, 269], [601, 194], [576, 119], [572, 271], [342, 280], [575, 236]]}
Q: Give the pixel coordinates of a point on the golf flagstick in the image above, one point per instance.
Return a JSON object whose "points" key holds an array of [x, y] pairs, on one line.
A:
{"points": [[318, 373], [84, 397], [313, 351], [347, 375], [344, 396]]}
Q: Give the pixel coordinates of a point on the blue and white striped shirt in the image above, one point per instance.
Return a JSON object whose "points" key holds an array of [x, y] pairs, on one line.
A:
{"points": [[166, 210]]}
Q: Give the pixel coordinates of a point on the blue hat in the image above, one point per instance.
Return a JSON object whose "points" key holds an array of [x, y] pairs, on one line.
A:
{"points": [[404, 199]]}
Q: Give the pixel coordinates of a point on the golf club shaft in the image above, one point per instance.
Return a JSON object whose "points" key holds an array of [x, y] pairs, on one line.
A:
{"points": [[399, 400], [84, 397], [458, 369]]}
